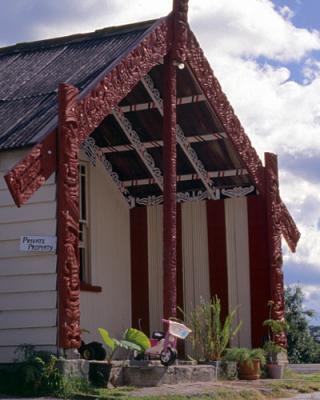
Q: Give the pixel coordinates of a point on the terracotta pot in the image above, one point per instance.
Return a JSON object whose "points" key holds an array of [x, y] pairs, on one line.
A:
{"points": [[250, 370], [275, 371]]}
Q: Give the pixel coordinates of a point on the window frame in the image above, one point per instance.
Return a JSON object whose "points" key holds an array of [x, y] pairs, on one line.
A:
{"points": [[85, 260]]}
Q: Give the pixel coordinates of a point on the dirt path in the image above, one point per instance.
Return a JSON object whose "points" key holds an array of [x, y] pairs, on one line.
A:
{"points": [[198, 388]]}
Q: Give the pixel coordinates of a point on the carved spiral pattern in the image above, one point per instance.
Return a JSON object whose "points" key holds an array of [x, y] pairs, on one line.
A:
{"points": [[219, 102], [237, 191], [274, 238], [289, 229], [68, 220], [93, 152], [138, 145], [182, 140], [181, 29], [121, 80]]}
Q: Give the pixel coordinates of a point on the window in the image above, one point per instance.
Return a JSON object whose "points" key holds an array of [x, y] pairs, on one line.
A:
{"points": [[84, 231], [84, 225]]}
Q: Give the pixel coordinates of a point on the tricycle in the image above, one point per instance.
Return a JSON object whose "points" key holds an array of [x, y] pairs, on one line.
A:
{"points": [[164, 344]]}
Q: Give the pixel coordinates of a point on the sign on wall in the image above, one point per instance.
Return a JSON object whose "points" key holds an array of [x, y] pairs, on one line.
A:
{"points": [[38, 243]]}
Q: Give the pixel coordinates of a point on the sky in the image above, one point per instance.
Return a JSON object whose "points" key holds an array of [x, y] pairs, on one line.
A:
{"points": [[266, 55]]}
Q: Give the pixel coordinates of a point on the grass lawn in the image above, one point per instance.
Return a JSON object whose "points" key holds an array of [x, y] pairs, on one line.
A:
{"points": [[226, 390]]}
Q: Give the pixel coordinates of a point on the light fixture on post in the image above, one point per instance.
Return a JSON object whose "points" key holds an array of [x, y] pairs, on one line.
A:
{"points": [[178, 64]]}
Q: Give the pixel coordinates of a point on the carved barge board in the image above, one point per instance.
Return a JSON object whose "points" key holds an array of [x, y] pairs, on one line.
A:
{"points": [[92, 109], [121, 80], [210, 86], [29, 175]]}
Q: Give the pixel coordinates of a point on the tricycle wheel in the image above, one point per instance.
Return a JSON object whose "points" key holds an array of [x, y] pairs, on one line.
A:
{"points": [[168, 357]]}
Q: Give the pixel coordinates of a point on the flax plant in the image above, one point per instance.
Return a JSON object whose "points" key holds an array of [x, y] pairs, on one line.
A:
{"points": [[210, 335]]}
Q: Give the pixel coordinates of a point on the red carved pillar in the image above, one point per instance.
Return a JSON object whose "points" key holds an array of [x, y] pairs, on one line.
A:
{"points": [[170, 191], [68, 219], [177, 54], [180, 13], [273, 203]]}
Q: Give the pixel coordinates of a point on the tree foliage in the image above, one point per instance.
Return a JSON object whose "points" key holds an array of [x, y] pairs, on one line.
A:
{"points": [[302, 348]]}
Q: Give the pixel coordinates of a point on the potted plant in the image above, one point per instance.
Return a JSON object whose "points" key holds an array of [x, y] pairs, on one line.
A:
{"points": [[272, 349], [249, 361], [133, 339]]}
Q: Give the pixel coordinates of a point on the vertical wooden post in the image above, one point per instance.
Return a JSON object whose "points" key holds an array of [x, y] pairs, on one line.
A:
{"points": [[68, 220], [176, 54], [170, 191], [273, 204]]}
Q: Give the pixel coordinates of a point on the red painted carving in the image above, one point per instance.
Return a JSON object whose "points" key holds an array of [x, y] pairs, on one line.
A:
{"points": [[220, 104], [274, 211], [169, 191], [30, 174], [121, 80], [289, 229], [68, 219], [180, 12]]}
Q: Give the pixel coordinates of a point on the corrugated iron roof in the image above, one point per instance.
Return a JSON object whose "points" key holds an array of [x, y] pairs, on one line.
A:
{"points": [[31, 72]]}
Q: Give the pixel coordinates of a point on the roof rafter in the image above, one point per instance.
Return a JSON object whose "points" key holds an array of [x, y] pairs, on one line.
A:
{"points": [[151, 105], [159, 143], [135, 141], [188, 177], [181, 139]]}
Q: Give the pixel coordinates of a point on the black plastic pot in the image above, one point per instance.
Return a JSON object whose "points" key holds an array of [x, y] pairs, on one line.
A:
{"points": [[99, 373]]}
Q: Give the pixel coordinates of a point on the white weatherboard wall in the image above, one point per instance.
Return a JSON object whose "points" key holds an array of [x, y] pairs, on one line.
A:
{"points": [[110, 258], [155, 266], [236, 215], [28, 298]]}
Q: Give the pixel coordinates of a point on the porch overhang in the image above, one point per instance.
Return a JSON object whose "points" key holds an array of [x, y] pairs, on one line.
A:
{"points": [[215, 157]]}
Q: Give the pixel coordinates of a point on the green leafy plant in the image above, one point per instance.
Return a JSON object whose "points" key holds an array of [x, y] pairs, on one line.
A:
{"points": [[210, 335], [275, 328], [37, 374], [243, 355], [133, 336], [111, 343], [133, 339]]}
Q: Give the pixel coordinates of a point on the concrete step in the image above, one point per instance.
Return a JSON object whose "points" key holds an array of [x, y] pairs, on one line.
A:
{"points": [[154, 375]]}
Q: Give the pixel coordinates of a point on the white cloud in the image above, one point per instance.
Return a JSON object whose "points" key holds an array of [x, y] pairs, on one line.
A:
{"points": [[256, 29], [312, 300], [97, 14], [286, 12], [278, 114]]}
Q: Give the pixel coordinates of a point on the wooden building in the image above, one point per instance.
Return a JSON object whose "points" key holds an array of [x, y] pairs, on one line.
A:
{"points": [[121, 144]]}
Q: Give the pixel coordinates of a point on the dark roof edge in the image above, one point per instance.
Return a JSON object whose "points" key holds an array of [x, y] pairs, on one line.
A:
{"points": [[110, 67], [51, 125], [99, 33]]}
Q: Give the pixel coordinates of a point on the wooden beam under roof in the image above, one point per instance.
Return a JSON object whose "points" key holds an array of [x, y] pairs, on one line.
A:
{"points": [[151, 104], [181, 139], [188, 177], [138, 146], [159, 143]]}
